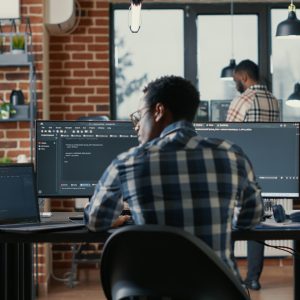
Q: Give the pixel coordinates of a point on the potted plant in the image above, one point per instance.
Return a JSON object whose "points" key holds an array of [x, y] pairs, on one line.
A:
{"points": [[18, 44], [6, 110], [5, 160]]}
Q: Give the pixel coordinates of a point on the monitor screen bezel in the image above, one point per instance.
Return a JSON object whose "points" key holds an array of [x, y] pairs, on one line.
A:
{"points": [[69, 121], [286, 122]]}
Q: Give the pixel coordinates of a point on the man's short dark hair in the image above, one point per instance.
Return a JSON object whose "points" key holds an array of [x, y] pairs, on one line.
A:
{"points": [[176, 93], [249, 67]]}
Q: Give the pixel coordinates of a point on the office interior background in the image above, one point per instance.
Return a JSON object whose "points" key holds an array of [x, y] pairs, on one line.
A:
{"points": [[98, 67]]}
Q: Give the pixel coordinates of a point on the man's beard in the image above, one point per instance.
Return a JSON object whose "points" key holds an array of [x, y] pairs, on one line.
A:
{"points": [[240, 87]]}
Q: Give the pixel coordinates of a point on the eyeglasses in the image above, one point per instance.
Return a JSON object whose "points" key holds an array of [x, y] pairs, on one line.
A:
{"points": [[136, 116]]}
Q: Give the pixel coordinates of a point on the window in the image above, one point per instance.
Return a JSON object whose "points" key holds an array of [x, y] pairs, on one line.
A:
{"points": [[215, 50], [156, 50], [286, 65]]}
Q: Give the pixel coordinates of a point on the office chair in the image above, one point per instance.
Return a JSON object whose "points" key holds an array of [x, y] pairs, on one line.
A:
{"points": [[161, 262]]}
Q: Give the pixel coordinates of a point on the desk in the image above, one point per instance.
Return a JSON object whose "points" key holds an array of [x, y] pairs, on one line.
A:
{"points": [[19, 244]]}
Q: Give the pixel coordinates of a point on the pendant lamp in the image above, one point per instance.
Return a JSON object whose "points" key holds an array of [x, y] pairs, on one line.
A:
{"points": [[227, 72], [134, 17], [294, 99], [290, 28]]}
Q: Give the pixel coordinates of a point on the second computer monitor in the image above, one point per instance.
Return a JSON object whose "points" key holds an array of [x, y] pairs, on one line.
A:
{"points": [[273, 149]]}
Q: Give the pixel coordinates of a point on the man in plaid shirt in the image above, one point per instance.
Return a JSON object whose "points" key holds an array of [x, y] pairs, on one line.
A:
{"points": [[176, 177], [255, 104]]}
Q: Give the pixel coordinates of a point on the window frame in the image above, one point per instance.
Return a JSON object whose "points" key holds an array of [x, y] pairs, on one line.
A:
{"points": [[191, 12]]}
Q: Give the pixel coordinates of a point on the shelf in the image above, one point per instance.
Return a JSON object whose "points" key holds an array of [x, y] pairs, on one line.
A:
{"points": [[15, 120], [16, 60]]}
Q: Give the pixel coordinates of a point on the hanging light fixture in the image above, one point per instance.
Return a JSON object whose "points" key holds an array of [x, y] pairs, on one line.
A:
{"points": [[135, 15], [290, 28], [294, 99], [227, 72]]}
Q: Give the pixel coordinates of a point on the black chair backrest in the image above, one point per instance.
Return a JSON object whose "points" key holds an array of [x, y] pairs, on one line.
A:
{"points": [[161, 262]]}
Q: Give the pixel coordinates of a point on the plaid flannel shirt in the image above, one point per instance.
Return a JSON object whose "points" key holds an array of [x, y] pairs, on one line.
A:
{"points": [[184, 180], [256, 104]]}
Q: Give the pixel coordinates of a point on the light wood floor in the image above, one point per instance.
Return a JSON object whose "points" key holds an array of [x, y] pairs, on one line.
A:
{"points": [[277, 284]]}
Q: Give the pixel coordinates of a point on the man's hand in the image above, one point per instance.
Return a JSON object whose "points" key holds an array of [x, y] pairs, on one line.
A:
{"points": [[120, 221]]}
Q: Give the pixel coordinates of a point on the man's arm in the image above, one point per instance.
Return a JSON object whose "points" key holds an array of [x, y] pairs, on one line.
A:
{"points": [[251, 208], [106, 204]]}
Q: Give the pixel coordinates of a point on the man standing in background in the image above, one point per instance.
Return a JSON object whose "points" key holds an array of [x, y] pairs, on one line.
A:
{"points": [[255, 104]]}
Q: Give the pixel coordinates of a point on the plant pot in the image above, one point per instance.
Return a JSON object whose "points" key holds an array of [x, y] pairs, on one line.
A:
{"points": [[17, 51]]}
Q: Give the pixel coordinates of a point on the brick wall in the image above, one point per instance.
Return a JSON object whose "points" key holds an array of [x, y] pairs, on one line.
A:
{"points": [[14, 137], [79, 66]]}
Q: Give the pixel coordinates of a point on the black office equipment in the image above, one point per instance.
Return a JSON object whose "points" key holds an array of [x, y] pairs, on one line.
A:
{"points": [[273, 149], [72, 155], [279, 213], [19, 209], [161, 262]]}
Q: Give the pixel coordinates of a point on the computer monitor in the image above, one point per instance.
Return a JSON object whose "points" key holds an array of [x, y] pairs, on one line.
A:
{"points": [[218, 110], [273, 149], [203, 112], [72, 155]]}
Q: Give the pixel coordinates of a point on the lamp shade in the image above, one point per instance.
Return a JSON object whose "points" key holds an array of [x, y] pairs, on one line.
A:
{"points": [[290, 27], [294, 99], [227, 72]]}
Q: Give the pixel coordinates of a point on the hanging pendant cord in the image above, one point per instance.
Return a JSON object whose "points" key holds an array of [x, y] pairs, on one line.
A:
{"points": [[232, 31]]}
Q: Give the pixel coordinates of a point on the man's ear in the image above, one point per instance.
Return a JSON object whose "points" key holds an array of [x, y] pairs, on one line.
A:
{"points": [[244, 77], [159, 111]]}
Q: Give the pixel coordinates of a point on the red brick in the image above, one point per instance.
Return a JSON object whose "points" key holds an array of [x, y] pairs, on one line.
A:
{"points": [[24, 144], [98, 99], [84, 73], [35, 10], [84, 90], [60, 91], [98, 13], [103, 40], [103, 4], [98, 47], [83, 108], [8, 144], [56, 116], [98, 31], [12, 134], [74, 82], [97, 65], [83, 39], [7, 86], [59, 56], [74, 99], [62, 73], [102, 22], [8, 125], [74, 65], [60, 108], [75, 47], [98, 82], [83, 56], [16, 76]]}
